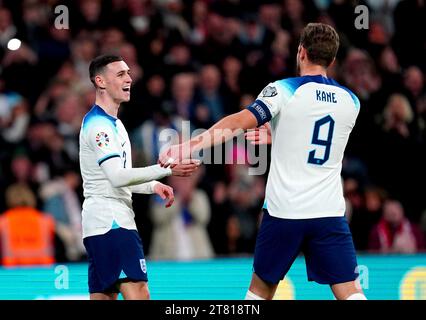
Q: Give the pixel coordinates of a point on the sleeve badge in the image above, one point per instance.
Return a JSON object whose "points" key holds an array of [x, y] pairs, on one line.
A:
{"points": [[102, 139], [269, 91]]}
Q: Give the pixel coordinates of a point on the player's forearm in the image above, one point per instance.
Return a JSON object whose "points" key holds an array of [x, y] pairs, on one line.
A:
{"points": [[134, 176], [122, 177], [222, 131], [144, 188]]}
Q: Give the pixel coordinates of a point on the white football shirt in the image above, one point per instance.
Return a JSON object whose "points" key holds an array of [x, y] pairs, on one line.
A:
{"points": [[103, 137], [311, 118]]}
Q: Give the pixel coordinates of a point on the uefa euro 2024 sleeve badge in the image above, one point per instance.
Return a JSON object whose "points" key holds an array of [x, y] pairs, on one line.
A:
{"points": [[102, 139]]}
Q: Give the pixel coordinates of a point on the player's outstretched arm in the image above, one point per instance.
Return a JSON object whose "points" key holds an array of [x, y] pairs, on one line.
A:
{"points": [[260, 135], [219, 133], [124, 177]]}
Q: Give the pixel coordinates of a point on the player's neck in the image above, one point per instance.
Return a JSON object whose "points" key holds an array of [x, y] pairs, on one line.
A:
{"points": [[313, 70], [106, 103]]}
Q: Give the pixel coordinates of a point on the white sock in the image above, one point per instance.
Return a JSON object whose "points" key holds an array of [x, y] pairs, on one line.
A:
{"points": [[357, 296], [251, 296]]}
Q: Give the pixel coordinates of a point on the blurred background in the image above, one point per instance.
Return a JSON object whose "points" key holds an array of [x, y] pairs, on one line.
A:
{"points": [[200, 60]]}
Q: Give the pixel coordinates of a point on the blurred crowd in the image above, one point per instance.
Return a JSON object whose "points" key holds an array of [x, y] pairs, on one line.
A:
{"points": [[197, 61]]}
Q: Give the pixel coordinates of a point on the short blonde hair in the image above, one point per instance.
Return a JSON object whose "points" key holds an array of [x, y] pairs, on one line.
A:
{"points": [[405, 110], [19, 195]]}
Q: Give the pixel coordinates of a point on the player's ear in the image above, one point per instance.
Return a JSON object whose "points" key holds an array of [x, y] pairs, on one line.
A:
{"points": [[100, 83], [302, 52]]}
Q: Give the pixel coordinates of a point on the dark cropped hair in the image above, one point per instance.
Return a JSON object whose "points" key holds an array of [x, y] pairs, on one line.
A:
{"points": [[98, 64], [321, 42]]}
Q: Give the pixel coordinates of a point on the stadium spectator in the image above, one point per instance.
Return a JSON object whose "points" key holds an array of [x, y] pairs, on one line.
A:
{"points": [[148, 95], [364, 219], [26, 234], [14, 117], [395, 233], [69, 114], [178, 60], [413, 83], [89, 16], [270, 16], [19, 69], [62, 202], [197, 21], [211, 102], [180, 232], [353, 194], [182, 89], [7, 29], [129, 53], [231, 68], [43, 108], [22, 173], [83, 51], [218, 226], [147, 136], [396, 142], [245, 199]]}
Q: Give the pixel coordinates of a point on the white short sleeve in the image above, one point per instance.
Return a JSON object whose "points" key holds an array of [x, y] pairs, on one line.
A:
{"points": [[102, 139]]}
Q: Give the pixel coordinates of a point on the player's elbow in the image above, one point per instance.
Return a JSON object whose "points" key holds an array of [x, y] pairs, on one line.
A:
{"points": [[115, 181], [116, 184]]}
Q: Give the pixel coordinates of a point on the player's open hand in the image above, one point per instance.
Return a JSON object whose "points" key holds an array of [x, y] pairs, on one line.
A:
{"points": [[260, 135], [174, 155], [165, 192], [185, 168]]}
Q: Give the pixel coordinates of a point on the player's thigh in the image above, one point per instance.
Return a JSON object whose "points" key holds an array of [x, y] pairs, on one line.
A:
{"points": [[134, 290], [330, 253], [278, 244]]}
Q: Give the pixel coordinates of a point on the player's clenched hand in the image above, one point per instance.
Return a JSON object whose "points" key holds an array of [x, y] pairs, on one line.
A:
{"points": [[261, 135], [173, 155], [185, 168], [165, 192]]}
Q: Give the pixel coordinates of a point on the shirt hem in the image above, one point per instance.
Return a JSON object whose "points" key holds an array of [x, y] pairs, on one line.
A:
{"points": [[301, 216], [99, 232]]}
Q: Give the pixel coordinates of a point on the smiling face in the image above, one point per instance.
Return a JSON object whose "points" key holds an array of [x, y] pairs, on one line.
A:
{"points": [[116, 81]]}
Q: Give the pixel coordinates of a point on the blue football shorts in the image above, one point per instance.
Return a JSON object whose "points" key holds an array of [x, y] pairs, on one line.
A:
{"points": [[325, 242], [113, 257]]}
